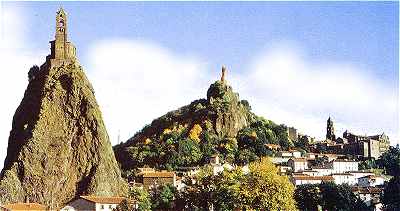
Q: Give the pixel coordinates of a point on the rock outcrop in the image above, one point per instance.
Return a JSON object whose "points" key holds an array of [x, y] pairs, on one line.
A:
{"points": [[58, 148], [219, 117]]}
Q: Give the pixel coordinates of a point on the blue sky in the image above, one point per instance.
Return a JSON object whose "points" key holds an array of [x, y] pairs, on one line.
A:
{"points": [[296, 62], [364, 33]]}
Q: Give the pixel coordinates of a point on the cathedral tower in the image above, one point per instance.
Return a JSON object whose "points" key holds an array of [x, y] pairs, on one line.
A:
{"points": [[62, 51], [330, 131]]}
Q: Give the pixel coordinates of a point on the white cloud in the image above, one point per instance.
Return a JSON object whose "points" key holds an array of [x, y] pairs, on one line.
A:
{"points": [[138, 81], [283, 85], [16, 60]]}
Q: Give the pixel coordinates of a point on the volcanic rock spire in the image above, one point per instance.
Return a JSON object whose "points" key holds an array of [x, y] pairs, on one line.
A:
{"points": [[58, 147]]}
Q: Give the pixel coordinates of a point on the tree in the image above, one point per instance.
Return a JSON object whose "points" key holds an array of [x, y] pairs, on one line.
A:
{"points": [[264, 189], [123, 206], [340, 197], [142, 197], [367, 164], [390, 161], [189, 152], [303, 143], [391, 194], [261, 189], [163, 197], [307, 197]]}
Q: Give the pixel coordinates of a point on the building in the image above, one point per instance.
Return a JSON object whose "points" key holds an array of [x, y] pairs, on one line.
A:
{"points": [[95, 203], [359, 174], [62, 50], [366, 146], [23, 206], [342, 166], [323, 170], [298, 164], [292, 133], [295, 153], [275, 147], [153, 179], [310, 172], [371, 181], [330, 130], [305, 179], [370, 195], [344, 178], [214, 160]]}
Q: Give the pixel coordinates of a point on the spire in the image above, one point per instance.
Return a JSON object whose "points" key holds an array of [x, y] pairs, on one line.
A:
{"points": [[330, 130], [223, 73], [61, 49]]}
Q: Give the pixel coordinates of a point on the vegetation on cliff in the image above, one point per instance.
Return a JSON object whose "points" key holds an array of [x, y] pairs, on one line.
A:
{"points": [[221, 124], [58, 147]]}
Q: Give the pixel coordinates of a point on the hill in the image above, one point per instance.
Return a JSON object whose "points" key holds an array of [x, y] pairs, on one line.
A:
{"points": [[221, 124]]}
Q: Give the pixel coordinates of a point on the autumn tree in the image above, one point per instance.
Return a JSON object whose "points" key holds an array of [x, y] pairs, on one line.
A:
{"points": [[261, 189]]}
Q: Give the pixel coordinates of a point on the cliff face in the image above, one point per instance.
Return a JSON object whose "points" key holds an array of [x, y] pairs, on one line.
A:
{"points": [[190, 135], [230, 115], [58, 147]]}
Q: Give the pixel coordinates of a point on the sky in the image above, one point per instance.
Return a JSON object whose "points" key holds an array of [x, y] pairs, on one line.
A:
{"points": [[297, 63]]}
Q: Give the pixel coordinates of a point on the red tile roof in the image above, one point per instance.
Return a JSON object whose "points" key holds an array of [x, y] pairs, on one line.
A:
{"points": [[24, 206], [162, 174], [324, 178], [104, 199]]}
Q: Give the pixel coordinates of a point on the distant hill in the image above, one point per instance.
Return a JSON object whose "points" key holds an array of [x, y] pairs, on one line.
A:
{"points": [[221, 124]]}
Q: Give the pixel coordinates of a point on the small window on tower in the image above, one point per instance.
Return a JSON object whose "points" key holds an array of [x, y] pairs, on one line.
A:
{"points": [[61, 23]]}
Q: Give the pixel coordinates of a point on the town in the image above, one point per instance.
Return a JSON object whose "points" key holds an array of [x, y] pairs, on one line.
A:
{"points": [[214, 154]]}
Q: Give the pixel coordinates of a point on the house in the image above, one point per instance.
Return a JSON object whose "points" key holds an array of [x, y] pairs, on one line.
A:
{"points": [[371, 181], [279, 160], [323, 170], [23, 206], [295, 153], [298, 164], [344, 178], [310, 172], [95, 203], [305, 179], [284, 154], [284, 169], [153, 179], [359, 174], [214, 160], [370, 196], [275, 147], [342, 165]]}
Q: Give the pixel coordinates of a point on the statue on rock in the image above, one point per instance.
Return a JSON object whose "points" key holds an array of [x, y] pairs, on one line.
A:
{"points": [[223, 73]]}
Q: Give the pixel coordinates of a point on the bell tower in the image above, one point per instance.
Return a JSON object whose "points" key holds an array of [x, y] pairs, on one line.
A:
{"points": [[61, 49], [330, 130], [61, 34]]}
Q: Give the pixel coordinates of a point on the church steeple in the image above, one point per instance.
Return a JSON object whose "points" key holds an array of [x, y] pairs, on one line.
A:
{"points": [[61, 49], [330, 130], [61, 25]]}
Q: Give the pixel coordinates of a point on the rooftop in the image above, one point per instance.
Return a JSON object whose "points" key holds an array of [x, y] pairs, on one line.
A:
{"points": [[24, 206], [103, 199], [367, 190], [298, 159], [302, 177], [163, 174], [343, 160], [343, 174]]}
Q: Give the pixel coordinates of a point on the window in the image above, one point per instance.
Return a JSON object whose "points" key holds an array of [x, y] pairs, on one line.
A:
{"points": [[102, 206]]}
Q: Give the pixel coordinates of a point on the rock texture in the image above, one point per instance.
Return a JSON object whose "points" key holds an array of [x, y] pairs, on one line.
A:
{"points": [[58, 148]]}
